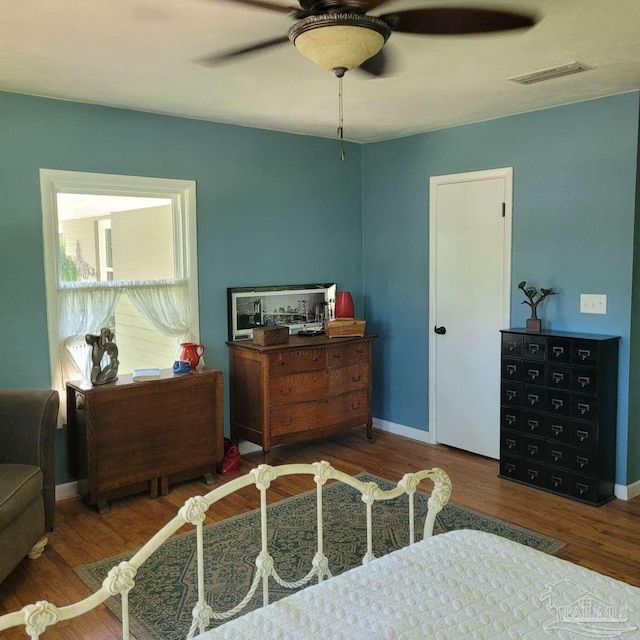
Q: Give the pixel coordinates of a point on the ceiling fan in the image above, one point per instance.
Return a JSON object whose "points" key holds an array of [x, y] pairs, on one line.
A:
{"points": [[340, 35]]}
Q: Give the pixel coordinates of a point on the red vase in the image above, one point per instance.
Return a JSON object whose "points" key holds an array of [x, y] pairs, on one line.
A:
{"points": [[191, 352], [344, 305]]}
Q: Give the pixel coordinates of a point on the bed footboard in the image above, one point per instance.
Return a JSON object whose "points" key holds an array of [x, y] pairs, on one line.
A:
{"points": [[121, 578]]}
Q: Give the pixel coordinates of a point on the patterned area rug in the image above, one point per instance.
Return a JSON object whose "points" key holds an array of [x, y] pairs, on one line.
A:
{"points": [[160, 604]]}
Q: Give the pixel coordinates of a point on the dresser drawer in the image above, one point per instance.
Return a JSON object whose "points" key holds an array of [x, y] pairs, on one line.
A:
{"points": [[583, 487], [511, 443], [342, 355], [584, 461], [559, 350], [295, 361], [512, 394], [348, 379], [510, 418], [584, 407], [307, 416], [512, 344], [512, 369], [584, 435], [534, 424], [534, 347], [534, 448], [558, 377], [559, 429], [559, 454], [557, 479], [534, 372], [298, 387], [559, 402], [584, 381], [533, 397], [533, 472], [584, 352], [511, 467]]}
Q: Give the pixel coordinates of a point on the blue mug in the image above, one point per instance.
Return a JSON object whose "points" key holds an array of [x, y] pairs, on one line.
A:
{"points": [[181, 366]]}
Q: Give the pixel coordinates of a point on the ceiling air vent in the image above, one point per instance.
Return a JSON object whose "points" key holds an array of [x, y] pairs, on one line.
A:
{"points": [[553, 72]]}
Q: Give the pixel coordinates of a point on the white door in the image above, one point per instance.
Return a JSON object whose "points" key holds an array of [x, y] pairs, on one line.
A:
{"points": [[469, 279]]}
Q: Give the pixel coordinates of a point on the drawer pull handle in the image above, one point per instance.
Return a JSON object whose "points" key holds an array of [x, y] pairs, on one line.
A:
{"points": [[533, 398], [285, 392], [355, 405], [583, 354], [534, 373], [583, 408], [556, 481], [532, 473], [557, 351], [510, 443], [359, 350], [557, 403], [532, 449], [583, 381], [582, 488], [511, 346], [510, 467], [582, 435], [356, 378], [510, 419], [533, 347], [281, 363], [511, 394], [315, 358], [557, 377], [582, 462], [532, 424], [556, 455], [286, 423], [557, 429], [511, 369]]}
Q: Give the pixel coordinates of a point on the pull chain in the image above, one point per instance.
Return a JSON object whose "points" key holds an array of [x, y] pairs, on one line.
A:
{"points": [[340, 120]]}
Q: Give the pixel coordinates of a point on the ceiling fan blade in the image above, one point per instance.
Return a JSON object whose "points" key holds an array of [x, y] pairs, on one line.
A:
{"points": [[295, 12], [377, 65], [212, 60], [456, 20]]}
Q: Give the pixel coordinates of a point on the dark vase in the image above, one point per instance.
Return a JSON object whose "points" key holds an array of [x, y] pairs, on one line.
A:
{"points": [[344, 305]]}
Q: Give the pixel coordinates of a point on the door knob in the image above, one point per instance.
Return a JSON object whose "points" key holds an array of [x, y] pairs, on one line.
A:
{"points": [[440, 330]]}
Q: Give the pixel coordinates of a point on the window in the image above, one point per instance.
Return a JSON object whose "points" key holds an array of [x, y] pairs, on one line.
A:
{"points": [[120, 252]]}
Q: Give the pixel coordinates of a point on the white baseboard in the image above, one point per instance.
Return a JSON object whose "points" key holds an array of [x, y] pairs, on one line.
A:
{"points": [[627, 492], [67, 490], [401, 430]]}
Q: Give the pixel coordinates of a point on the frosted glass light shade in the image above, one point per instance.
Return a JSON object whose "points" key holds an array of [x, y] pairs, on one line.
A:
{"points": [[335, 41]]}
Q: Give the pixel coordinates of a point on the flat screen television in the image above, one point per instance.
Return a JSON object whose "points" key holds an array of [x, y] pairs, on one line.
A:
{"points": [[301, 307]]}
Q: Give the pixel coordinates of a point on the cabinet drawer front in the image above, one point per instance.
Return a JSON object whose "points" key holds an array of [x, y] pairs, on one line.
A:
{"points": [[559, 455], [512, 344], [559, 429], [535, 347], [512, 369], [584, 488], [558, 377], [510, 418], [584, 407], [533, 372], [534, 423], [343, 355], [298, 387], [533, 473], [559, 402], [534, 448], [584, 381], [512, 394], [584, 352], [307, 416], [584, 434], [559, 350], [557, 480], [533, 397], [348, 378], [511, 443], [287, 361], [511, 467], [583, 461]]}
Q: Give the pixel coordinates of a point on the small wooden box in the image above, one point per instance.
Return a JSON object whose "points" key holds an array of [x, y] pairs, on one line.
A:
{"points": [[265, 336], [344, 328]]}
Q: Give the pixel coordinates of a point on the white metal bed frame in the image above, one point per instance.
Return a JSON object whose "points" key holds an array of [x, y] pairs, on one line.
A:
{"points": [[121, 578]]}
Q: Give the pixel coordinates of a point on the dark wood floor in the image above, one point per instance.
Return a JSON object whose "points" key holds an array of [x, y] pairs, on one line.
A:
{"points": [[602, 538]]}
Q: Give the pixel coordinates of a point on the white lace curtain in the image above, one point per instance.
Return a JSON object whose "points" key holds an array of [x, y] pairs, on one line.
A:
{"points": [[86, 307]]}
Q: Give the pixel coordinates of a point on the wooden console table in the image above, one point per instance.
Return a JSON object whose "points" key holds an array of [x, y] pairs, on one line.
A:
{"points": [[310, 387], [125, 437]]}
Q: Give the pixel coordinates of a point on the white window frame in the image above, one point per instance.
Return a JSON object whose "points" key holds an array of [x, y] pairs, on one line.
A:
{"points": [[182, 194]]}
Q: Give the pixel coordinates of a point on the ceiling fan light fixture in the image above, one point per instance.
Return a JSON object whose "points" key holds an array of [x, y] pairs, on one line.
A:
{"points": [[339, 41]]}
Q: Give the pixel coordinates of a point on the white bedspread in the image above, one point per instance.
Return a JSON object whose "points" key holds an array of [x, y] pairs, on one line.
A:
{"points": [[462, 584]]}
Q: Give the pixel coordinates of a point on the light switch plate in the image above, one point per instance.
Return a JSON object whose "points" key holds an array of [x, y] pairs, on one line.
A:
{"points": [[593, 303]]}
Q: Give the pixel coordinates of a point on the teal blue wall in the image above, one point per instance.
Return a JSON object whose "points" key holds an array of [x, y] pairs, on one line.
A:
{"points": [[573, 226], [273, 208]]}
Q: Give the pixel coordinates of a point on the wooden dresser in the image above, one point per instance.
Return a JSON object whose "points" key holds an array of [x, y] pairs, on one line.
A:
{"points": [[308, 388], [127, 437], [558, 412]]}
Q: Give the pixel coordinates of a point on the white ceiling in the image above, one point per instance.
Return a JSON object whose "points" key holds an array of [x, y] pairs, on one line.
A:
{"points": [[140, 54]]}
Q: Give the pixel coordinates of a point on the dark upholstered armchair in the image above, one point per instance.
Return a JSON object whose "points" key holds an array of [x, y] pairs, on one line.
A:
{"points": [[27, 473]]}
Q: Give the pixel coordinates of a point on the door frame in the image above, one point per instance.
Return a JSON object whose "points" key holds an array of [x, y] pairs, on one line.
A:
{"points": [[434, 183]]}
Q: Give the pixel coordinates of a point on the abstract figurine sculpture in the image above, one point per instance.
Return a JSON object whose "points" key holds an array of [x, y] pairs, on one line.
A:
{"points": [[533, 323], [99, 346]]}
